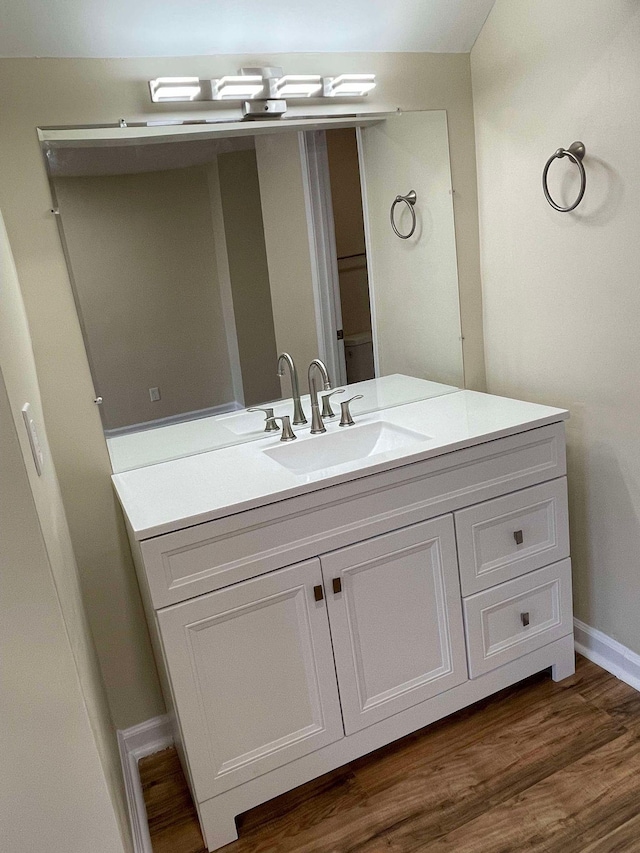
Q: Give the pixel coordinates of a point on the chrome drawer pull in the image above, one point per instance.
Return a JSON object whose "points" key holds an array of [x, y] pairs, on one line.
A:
{"points": [[524, 617], [517, 535]]}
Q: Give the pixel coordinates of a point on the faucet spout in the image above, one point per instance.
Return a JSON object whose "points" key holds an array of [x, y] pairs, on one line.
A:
{"points": [[317, 424], [298, 412]]}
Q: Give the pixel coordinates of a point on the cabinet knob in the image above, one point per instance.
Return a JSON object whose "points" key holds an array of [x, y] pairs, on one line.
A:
{"points": [[524, 618], [517, 535], [318, 592], [337, 585]]}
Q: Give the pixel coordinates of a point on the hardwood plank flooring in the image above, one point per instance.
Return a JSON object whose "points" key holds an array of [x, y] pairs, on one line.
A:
{"points": [[540, 767]]}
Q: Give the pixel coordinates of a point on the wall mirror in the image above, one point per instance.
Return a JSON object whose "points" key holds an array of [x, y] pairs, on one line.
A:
{"points": [[196, 259]]}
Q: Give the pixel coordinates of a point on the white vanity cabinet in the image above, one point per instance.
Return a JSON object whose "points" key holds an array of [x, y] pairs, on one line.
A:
{"points": [[297, 634], [252, 666]]}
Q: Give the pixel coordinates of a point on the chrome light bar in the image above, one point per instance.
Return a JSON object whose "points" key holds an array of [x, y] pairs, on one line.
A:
{"points": [[261, 84], [174, 89]]}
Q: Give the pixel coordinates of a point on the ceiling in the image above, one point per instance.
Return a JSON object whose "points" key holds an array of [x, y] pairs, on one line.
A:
{"points": [[119, 28]]}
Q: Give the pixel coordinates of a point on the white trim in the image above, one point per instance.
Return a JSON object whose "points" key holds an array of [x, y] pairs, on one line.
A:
{"points": [[135, 743], [607, 653], [88, 136], [324, 267], [170, 420]]}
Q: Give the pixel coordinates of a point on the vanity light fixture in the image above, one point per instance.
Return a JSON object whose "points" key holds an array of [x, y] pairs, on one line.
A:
{"points": [[297, 86], [268, 87], [237, 88], [174, 89], [349, 85]]}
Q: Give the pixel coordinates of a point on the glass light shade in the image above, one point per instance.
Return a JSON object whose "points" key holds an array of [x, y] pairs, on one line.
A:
{"points": [[174, 89], [298, 86], [353, 85], [237, 88]]}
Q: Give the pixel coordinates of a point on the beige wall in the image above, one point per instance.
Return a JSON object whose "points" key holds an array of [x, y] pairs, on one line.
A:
{"points": [[144, 265], [561, 294], [50, 92], [249, 273], [60, 767]]}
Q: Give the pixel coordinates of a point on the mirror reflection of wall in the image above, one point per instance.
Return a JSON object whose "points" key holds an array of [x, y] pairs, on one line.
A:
{"points": [[415, 282], [346, 195], [145, 272], [190, 281], [171, 275], [238, 234], [195, 262]]}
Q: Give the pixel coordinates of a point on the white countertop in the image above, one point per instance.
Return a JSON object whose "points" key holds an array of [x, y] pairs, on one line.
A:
{"points": [[172, 495], [171, 441]]}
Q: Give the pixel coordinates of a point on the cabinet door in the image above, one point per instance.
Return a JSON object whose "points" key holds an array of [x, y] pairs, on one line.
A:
{"points": [[396, 621], [252, 673]]}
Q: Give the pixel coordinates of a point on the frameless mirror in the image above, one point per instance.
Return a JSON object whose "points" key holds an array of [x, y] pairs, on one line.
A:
{"points": [[195, 263]]}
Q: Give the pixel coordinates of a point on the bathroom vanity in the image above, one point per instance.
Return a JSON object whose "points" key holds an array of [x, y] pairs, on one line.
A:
{"points": [[310, 602]]}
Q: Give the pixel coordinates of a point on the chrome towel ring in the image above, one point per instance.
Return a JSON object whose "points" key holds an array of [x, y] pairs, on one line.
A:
{"points": [[574, 152], [409, 199]]}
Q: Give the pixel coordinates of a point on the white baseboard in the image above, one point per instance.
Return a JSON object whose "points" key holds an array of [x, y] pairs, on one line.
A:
{"points": [[607, 653], [135, 743], [170, 420]]}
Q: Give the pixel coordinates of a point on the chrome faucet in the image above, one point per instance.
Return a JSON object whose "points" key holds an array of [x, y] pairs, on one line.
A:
{"points": [[298, 412], [317, 424]]}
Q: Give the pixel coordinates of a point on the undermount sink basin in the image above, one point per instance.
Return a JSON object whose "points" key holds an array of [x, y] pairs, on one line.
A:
{"points": [[349, 444]]}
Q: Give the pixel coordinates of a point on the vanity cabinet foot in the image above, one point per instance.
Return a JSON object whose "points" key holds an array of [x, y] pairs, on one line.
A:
{"points": [[218, 825], [565, 666]]}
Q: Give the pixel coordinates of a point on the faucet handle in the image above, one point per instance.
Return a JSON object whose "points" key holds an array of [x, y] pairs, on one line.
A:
{"points": [[345, 416], [270, 421], [327, 411], [287, 433]]}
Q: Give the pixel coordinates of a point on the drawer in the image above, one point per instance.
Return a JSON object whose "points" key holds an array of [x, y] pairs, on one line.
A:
{"points": [[215, 554], [502, 539], [517, 617]]}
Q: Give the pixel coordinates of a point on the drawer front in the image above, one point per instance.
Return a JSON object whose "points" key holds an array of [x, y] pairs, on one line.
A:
{"points": [[217, 553], [512, 619], [502, 539]]}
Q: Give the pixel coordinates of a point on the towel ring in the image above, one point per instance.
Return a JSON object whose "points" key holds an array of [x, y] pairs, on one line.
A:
{"points": [[574, 152], [409, 200]]}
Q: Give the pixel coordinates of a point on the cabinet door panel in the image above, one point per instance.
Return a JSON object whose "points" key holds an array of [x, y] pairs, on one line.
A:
{"points": [[396, 621], [253, 677]]}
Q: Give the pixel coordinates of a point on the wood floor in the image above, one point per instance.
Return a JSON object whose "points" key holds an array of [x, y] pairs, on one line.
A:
{"points": [[542, 767]]}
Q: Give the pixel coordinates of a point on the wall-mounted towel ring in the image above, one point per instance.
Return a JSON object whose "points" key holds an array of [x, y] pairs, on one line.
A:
{"points": [[574, 152], [409, 199]]}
